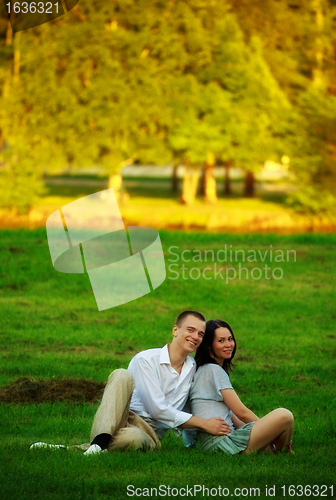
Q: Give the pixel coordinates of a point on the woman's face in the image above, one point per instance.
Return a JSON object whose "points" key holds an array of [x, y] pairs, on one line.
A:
{"points": [[222, 345]]}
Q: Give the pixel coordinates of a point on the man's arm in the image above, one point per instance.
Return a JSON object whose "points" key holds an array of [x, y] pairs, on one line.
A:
{"points": [[149, 390], [215, 425], [148, 387]]}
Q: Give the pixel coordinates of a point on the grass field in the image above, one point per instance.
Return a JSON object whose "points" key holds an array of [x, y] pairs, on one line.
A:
{"points": [[50, 327]]}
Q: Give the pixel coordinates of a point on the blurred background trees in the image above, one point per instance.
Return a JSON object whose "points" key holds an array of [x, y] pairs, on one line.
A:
{"points": [[231, 83], [299, 46]]}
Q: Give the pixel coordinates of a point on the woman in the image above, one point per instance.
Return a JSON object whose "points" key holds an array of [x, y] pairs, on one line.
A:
{"points": [[212, 395]]}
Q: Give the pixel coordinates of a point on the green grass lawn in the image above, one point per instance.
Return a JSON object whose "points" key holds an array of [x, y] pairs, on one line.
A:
{"points": [[50, 327]]}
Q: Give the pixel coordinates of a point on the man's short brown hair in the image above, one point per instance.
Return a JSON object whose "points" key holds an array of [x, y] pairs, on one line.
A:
{"points": [[184, 314]]}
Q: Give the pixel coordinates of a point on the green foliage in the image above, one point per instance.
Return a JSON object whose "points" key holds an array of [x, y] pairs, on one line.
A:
{"points": [[291, 37], [157, 82], [20, 177], [20, 188], [142, 81], [314, 153], [298, 46], [310, 201]]}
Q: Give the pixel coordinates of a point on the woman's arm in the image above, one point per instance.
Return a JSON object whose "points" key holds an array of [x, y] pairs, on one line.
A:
{"points": [[231, 399], [236, 421]]}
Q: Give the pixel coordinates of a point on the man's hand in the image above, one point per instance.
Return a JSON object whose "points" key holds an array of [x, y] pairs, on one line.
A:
{"points": [[216, 426]]}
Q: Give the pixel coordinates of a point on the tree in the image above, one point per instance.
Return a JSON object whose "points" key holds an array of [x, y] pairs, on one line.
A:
{"points": [[147, 81], [20, 173], [314, 154], [255, 125], [299, 40], [63, 99]]}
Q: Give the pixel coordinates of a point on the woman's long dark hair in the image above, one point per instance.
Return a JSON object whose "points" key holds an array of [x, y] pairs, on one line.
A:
{"points": [[202, 356]]}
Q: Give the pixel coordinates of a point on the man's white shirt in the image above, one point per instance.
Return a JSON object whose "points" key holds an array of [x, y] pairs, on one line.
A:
{"points": [[160, 391]]}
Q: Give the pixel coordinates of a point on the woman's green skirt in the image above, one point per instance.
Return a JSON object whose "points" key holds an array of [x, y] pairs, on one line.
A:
{"points": [[231, 444]]}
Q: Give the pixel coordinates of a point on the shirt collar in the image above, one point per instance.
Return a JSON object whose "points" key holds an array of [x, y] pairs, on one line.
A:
{"points": [[165, 359], [164, 356]]}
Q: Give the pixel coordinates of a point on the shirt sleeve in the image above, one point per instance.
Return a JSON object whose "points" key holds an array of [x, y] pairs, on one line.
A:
{"points": [[220, 378], [147, 384]]}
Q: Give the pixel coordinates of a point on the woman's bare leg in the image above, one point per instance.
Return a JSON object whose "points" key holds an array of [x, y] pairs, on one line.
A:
{"points": [[275, 428]]}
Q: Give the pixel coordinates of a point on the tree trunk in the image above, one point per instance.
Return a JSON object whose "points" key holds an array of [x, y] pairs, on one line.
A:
{"points": [[249, 185], [190, 184], [185, 198], [174, 184], [115, 182], [194, 182], [16, 58], [9, 31], [227, 184], [319, 21], [210, 184], [7, 71], [202, 184]]}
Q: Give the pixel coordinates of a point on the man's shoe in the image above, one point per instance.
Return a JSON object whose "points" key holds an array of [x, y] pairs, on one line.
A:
{"points": [[46, 445], [94, 449]]}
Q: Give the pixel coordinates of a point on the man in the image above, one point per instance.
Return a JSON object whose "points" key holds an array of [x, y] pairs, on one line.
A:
{"points": [[140, 404]]}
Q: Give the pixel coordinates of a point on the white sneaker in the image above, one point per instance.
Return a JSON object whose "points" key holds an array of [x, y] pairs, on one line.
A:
{"points": [[46, 445], [94, 449]]}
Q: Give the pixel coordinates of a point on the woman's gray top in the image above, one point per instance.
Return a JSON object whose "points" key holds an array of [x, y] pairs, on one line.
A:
{"points": [[205, 397]]}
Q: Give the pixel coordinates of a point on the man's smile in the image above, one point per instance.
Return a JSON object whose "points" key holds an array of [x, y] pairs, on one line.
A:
{"points": [[192, 342]]}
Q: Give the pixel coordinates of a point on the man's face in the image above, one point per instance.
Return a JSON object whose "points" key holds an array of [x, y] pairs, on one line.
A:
{"points": [[190, 333]]}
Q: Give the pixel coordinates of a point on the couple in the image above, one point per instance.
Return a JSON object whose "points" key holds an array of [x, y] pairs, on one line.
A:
{"points": [[141, 403]]}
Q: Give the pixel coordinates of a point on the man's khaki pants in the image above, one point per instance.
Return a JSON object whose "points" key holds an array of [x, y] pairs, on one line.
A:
{"points": [[114, 417]]}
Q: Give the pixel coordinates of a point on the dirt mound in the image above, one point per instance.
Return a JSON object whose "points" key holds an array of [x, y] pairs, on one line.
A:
{"points": [[37, 390]]}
